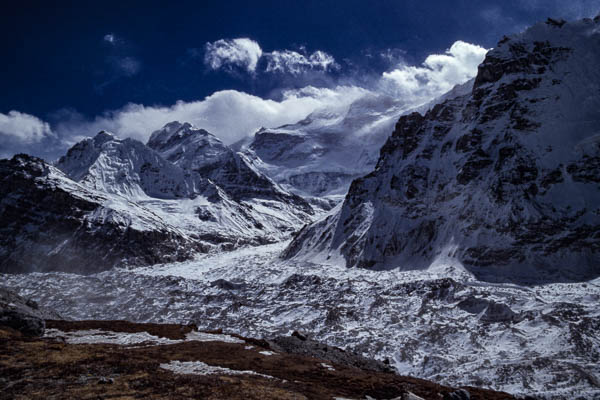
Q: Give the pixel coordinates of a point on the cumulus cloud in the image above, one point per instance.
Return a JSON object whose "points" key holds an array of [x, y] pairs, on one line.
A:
{"points": [[288, 61], [438, 74], [244, 53], [229, 114], [232, 115], [23, 127], [225, 53], [21, 132]]}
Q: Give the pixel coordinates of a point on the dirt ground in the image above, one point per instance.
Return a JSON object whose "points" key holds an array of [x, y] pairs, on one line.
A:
{"points": [[49, 368]]}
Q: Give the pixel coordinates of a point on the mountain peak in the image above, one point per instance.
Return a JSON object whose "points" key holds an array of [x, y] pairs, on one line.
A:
{"points": [[175, 132], [496, 178], [103, 137]]}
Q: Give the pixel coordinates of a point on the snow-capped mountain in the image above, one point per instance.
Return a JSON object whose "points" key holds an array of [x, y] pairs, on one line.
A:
{"points": [[127, 168], [506, 179], [321, 155], [192, 194], [202, 154], [50, 222]]}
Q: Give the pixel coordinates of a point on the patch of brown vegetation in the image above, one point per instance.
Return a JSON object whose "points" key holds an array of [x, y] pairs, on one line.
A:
{"points": [[46, 368]]}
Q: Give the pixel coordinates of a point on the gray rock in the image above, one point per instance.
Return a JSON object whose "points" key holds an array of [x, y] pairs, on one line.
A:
{"points": [[460, 394], [302, 345], [23, 315]]}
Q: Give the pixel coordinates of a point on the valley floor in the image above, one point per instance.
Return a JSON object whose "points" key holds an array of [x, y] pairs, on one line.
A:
{"points": [[439, 324], [123, 360]]}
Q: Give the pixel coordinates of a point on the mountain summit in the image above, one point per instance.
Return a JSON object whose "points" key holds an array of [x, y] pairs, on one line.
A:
{"points": [[505, 179]]}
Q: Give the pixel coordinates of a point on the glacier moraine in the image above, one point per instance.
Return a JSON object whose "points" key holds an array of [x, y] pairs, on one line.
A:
{"points": [[439, 324]]}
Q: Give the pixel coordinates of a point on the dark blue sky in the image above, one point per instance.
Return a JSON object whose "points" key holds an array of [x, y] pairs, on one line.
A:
{"points": [[55, 56]]}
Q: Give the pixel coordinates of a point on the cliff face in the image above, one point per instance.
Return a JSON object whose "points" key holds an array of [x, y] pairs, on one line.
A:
{"points": [[506, 179]]}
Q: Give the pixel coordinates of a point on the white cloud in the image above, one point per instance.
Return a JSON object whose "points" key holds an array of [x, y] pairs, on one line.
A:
{"points": [[437, 75], [229, 114], [225, 53], [109, 37], [128, 66], [23, 127], [24, 133], [245, 53], [232, 115], [288, 61]]}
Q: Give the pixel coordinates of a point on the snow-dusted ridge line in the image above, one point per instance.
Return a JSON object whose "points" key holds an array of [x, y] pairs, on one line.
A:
{"points": [[202, 197]]}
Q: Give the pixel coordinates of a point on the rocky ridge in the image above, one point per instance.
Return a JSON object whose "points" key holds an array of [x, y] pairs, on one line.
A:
{"points": [[504, 179]]}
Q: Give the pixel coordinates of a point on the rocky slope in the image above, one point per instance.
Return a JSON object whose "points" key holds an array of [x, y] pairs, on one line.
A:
{"points": [[504, 179], [23, 315], [95, 359], [441, 324]]}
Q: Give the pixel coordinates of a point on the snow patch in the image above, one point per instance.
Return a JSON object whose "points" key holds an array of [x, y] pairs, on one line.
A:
{"points": [[200, 368]]}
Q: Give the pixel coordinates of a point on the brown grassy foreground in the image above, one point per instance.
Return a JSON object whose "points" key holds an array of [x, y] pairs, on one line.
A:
{"points": [[43, 368]]}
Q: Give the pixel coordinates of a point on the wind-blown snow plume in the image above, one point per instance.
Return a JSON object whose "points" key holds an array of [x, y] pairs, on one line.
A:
{"points": [[215, 112]]}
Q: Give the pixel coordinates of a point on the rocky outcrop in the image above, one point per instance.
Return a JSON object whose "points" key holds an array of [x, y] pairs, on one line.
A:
{"points": [[504, 179], [298, 343], [23, 315]]}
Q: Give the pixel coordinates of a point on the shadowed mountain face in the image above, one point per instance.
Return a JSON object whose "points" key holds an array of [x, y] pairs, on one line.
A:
{"points": [[198, 152], [53, 223], [505, 179]]}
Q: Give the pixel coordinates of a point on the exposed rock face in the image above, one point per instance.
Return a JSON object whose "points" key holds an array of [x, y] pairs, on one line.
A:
{"points": [[299, 344], [52, 223], [22, 315], [505, 179]]}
